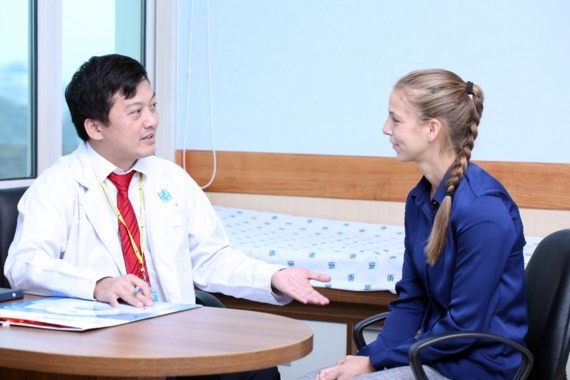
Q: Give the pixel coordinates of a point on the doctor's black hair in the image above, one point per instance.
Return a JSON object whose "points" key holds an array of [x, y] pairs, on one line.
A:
{"points": [[90, 93]]}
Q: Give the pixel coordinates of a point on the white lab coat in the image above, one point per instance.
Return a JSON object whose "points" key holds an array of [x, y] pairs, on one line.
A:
{"points": [[67, 235]]}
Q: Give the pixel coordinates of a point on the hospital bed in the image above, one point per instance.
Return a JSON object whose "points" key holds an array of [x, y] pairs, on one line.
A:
{"points": [[364, 260]]}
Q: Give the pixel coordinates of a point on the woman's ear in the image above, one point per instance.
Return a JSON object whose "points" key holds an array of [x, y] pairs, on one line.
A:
{"points": [[435, 128], [93, 129]]}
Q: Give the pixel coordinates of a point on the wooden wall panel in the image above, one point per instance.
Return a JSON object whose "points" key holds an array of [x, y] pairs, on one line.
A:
{"points": [[532, 185]]}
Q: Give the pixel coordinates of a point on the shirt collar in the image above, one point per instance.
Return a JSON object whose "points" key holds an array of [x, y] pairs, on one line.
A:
{"points": [[103, 167], [421, 193]]}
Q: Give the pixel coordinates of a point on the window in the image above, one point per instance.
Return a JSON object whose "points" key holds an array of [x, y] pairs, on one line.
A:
{"points": [[17, 142]]}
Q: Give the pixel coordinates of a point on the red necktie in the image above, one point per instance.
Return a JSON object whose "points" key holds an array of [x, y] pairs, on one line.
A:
{"points": [[125, 207]]}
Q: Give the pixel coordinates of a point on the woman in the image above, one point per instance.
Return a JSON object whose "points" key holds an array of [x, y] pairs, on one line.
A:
{"points": [[463, 268]]}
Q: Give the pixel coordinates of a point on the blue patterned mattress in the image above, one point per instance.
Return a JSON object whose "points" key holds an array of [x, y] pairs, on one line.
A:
{"points": [[358, 256]]}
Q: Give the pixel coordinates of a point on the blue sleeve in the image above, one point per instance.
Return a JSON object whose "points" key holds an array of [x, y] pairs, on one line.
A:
{"points": [[390, 348], [405, 316]]}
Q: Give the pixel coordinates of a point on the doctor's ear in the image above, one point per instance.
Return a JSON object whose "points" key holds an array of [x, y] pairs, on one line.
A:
{"points": [[93, 129]]}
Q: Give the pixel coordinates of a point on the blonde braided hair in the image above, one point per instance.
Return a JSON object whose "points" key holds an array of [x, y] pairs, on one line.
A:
{"points": [[443, 95]]}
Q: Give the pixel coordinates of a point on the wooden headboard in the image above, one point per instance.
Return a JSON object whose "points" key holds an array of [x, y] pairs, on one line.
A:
{"points": [[532, 185]]}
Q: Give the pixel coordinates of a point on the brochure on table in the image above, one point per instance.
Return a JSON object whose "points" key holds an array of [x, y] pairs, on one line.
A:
{"points": [[71, 314]]}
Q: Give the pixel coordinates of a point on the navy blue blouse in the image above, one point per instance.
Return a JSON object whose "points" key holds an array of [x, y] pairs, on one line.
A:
{"points": [[476, 285]]}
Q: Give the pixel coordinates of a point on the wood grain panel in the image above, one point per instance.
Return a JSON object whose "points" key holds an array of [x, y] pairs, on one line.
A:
{"points": [[532, 185]]}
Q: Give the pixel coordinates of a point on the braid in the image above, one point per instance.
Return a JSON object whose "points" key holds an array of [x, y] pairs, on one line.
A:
{"points": [[438, 235]]}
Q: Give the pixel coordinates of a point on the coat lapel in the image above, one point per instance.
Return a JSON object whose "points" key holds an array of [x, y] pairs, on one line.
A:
{"points": [[97, 208]]}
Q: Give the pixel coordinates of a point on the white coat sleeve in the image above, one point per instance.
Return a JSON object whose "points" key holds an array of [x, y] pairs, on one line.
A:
{"points": [[48, 212], [220, 267]]}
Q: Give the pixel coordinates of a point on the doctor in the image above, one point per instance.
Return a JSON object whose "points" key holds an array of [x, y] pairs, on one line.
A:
{"points": [[68, 240]]}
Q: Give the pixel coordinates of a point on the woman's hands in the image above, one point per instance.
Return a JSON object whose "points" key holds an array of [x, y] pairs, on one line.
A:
{"points": [[347, 368]]}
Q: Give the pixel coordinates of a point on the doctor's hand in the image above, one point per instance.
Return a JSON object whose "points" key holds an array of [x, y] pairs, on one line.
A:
{"points": [[294, 282], [128, 288], [347, 368]]}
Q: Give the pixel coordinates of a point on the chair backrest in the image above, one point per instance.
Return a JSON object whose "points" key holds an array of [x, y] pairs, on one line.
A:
{"points": [[207, 299], [8, 217], [547, 278]]}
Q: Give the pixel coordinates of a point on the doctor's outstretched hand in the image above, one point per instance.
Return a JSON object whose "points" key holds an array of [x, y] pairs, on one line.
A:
{"points": [[295, 283]]}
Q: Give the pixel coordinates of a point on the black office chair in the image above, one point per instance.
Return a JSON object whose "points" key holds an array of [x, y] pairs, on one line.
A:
{"points": [[8, 217], [547, 279], [207, 299]]}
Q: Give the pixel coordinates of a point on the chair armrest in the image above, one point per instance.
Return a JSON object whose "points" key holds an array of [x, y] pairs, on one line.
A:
{"points": [[358, 330], [414, 352]]}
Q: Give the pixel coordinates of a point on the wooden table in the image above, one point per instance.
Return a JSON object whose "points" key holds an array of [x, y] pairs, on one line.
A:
{"points": [[194, 342]]}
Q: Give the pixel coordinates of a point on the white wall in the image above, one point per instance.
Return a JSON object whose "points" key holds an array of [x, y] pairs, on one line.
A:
{"points": [[314, 76]]}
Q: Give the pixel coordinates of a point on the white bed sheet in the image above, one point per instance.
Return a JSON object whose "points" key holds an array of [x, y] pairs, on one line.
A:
{"points": [[358, 256]]}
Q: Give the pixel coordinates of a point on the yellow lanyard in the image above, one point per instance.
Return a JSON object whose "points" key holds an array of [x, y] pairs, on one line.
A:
{"points": [[139, 254]]}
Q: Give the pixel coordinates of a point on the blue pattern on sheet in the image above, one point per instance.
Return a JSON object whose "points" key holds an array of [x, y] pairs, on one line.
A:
{"points": [[358, 256]]}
